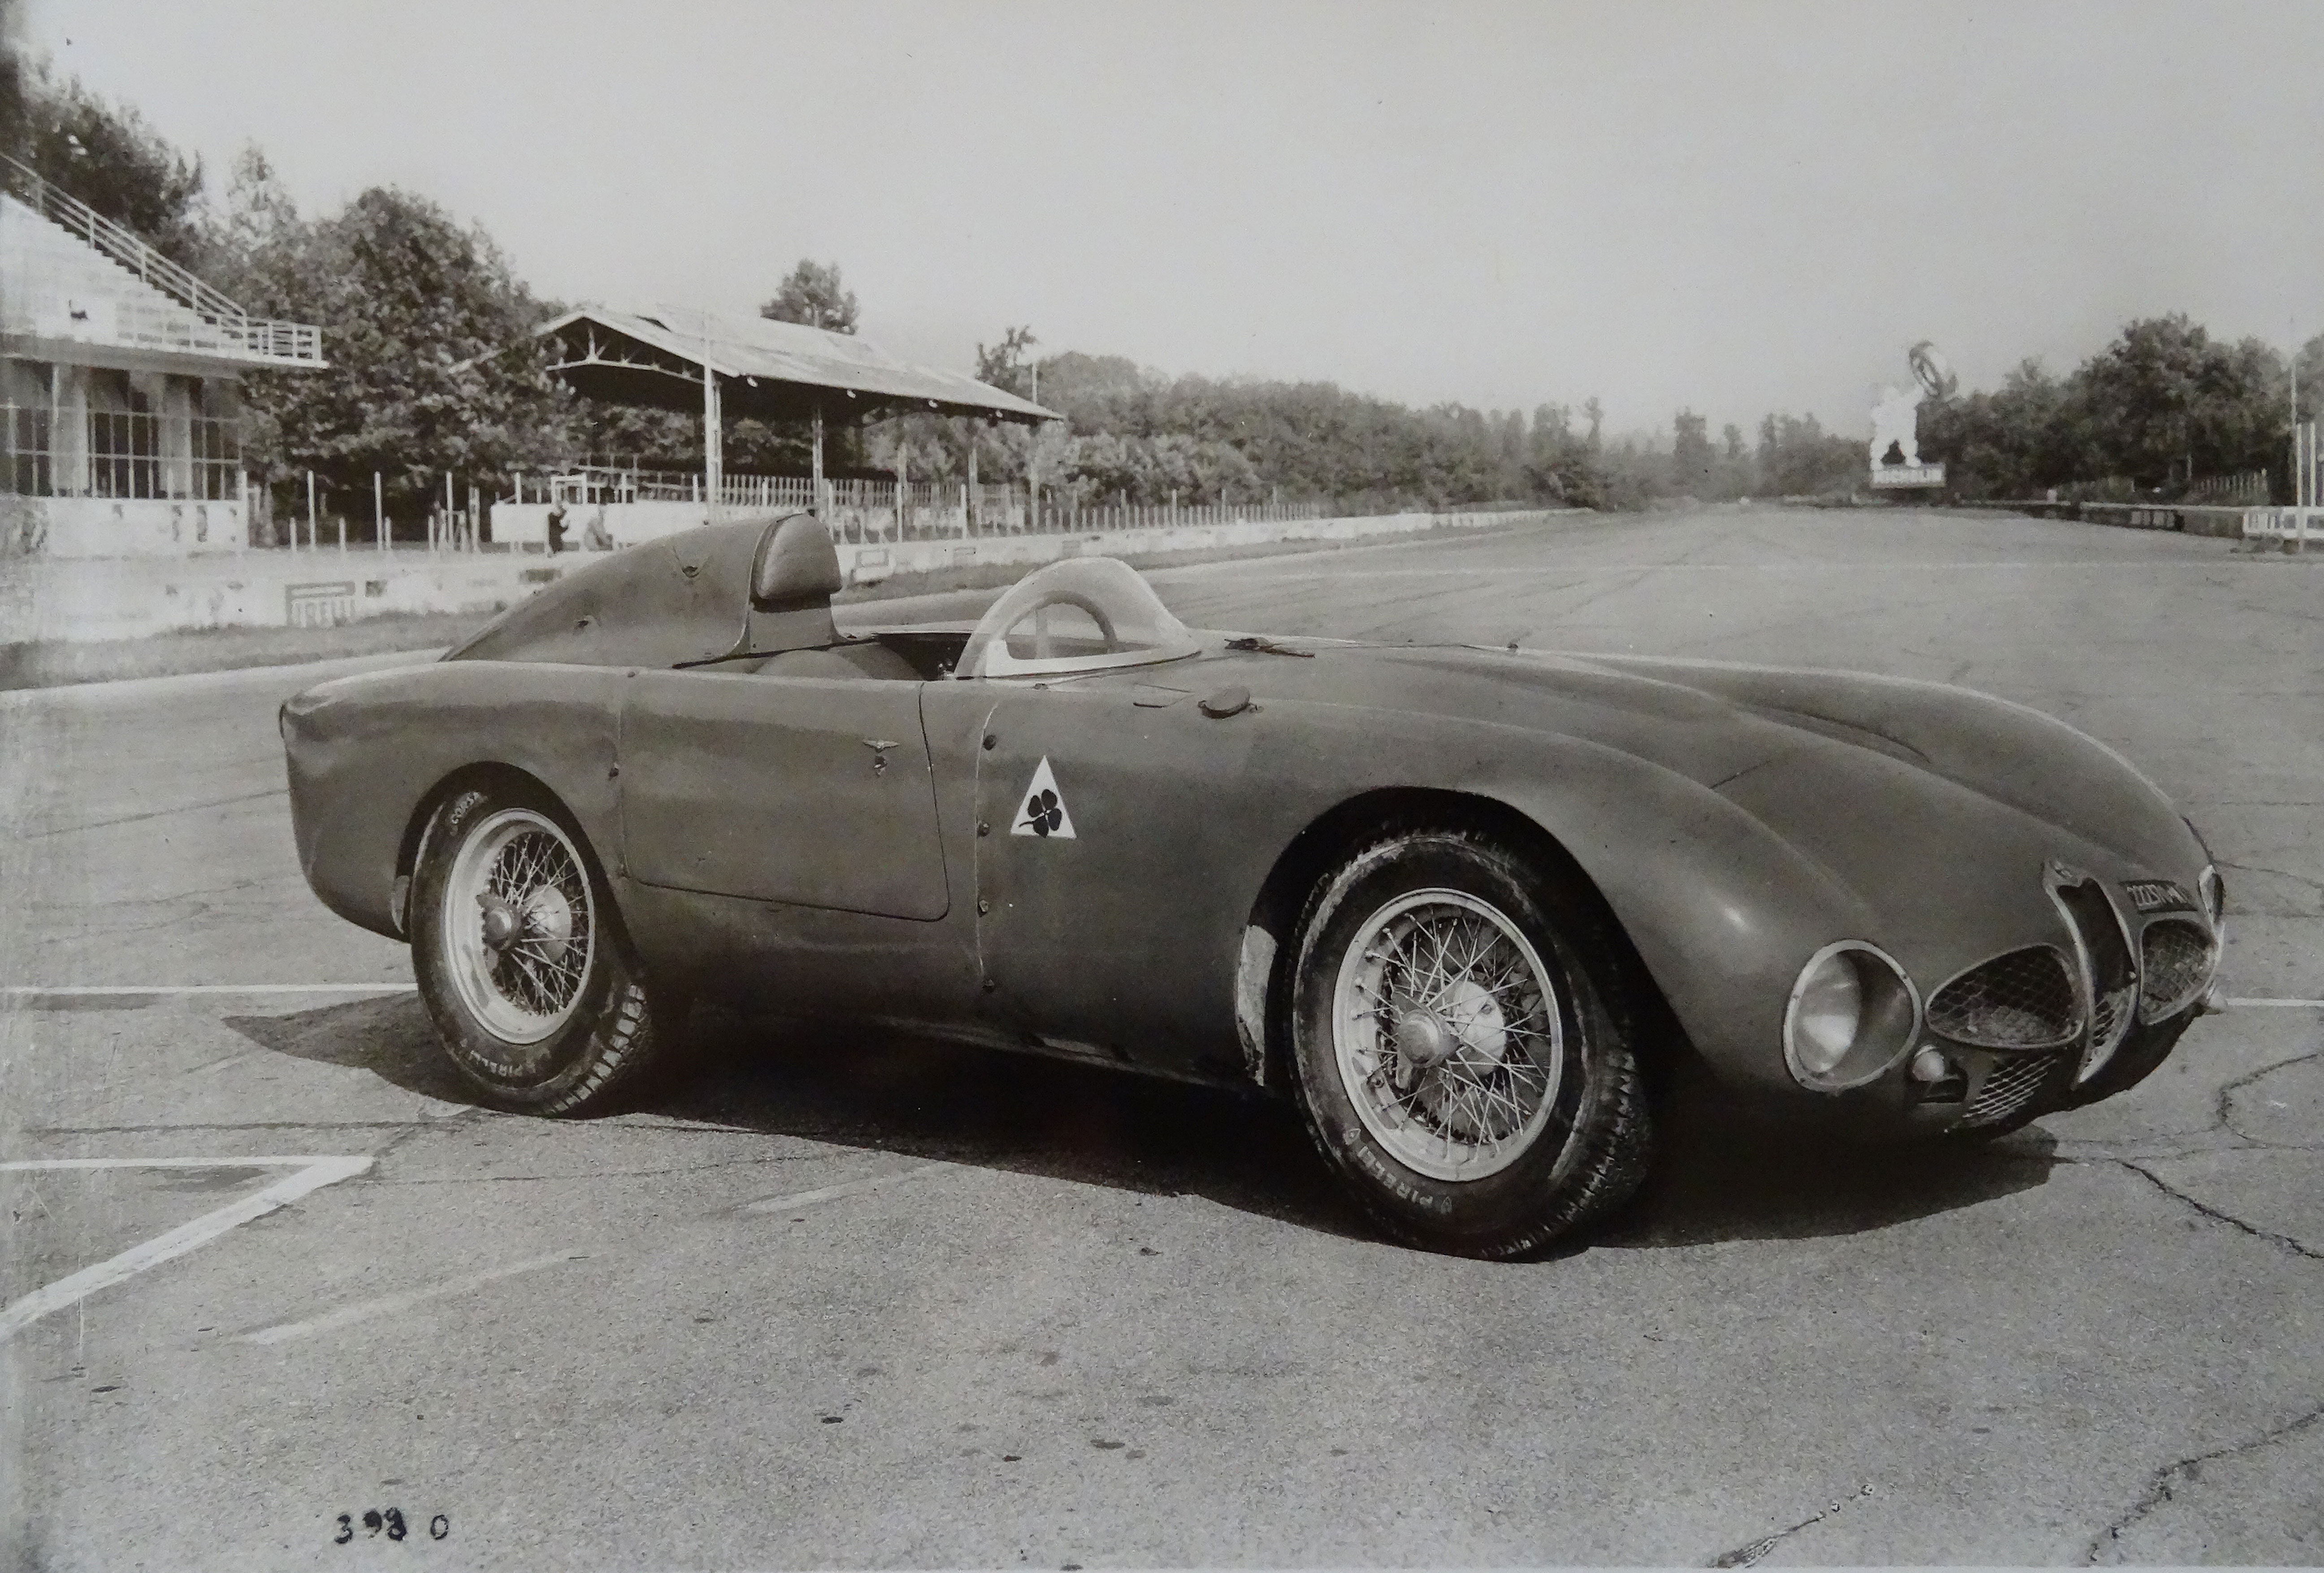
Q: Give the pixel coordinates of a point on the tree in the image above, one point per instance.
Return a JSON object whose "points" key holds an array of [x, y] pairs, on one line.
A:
{"points": [[1798, 458], [433, 363], [109, 157], [814, 295], [1693, 458], [1003, 365], [2012, 442]]}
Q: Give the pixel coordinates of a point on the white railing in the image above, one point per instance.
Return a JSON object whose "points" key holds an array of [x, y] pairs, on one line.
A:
{"points": [[296, 343]]}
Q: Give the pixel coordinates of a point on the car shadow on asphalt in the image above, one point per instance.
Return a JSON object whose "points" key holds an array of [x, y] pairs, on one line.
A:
{"points": [[882, 1091], [1711, 1185], [855, 1086]]}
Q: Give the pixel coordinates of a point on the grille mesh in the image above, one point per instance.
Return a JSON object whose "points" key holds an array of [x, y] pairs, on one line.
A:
{"points": [[2177, 961], [2024, 999], [2007, 1088]]}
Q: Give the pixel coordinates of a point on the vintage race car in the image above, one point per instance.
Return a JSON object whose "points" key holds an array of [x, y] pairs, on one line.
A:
{"points": [[1464, 905]]}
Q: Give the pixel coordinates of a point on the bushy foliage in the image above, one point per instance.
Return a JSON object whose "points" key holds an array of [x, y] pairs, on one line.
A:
{"points": [[2161, 405], [108, 157], [813, 295], [433, 366]]}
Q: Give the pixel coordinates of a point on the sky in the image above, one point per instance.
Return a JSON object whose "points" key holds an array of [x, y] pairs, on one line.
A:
{"points": [[1736, 209]]}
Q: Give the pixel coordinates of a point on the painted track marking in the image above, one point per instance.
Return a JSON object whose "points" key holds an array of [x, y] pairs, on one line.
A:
{"points": [[387, 1305], [85, 990], [364, 1311], [776, 1204], [2235, 1004], [314, 1172]]}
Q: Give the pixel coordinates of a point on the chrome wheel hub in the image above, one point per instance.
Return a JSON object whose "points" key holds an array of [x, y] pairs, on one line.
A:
{"points": [[518, 936], [1447, 1034]]}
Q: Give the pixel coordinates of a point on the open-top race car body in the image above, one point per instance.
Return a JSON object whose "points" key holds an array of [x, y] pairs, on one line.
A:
{"points": [[1462, 903]]}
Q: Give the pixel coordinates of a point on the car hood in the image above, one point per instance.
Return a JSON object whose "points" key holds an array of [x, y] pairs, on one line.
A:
{"points": [[1784, 742]]}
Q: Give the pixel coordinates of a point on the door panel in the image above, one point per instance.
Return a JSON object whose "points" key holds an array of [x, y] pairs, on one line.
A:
{"points": [[1121, 939], [768, 787]]}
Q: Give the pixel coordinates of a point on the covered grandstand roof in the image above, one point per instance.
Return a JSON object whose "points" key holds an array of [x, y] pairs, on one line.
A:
{"points": [[772, 370]]}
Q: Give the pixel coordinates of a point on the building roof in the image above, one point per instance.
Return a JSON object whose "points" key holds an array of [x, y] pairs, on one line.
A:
{"points": [[773, 370]]}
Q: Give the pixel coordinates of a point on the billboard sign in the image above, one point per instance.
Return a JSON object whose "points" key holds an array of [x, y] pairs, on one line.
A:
{"points": [[1908, 474]]}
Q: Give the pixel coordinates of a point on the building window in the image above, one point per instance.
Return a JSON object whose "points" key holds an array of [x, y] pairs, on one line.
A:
{"points": [[216, 459], [124, 450], [131, 452], [25, 461]]}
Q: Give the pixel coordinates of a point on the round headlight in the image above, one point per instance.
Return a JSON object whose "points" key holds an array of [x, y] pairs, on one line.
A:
{"points": [[2214, 892], [1827, 1012], [1852, 1015]]}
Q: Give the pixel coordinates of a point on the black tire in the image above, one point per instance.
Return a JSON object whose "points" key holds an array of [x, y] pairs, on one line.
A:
{"points": [[1584, 1156], [609, 1034]]}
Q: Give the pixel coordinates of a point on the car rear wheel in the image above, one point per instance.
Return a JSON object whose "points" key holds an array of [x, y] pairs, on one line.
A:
{"points": [[1460, 1030], [520, 959]]}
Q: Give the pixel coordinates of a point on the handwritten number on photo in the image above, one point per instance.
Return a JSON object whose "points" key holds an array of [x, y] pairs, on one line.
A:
{"points": [[391, 1521]]}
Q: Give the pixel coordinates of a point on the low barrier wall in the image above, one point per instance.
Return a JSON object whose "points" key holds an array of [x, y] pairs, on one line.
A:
{"points": [[50, 599], [2191, 519], [97, 527]]}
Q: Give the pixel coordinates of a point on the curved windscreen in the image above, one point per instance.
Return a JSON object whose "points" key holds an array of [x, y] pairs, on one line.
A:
{"points": [[1082, 615]]}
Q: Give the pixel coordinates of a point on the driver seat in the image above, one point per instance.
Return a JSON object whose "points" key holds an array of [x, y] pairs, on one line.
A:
{"points": [[791, 587]]}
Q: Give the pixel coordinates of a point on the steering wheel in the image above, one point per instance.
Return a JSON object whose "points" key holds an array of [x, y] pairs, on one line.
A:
{"points": [[1042, 650]]}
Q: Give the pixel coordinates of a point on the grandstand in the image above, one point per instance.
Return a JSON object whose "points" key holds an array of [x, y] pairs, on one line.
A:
{"points": [[120, 417], [690, 360]]}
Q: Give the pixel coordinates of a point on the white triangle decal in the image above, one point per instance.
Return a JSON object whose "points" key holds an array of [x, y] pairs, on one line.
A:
{"points": [[1043, 811]]}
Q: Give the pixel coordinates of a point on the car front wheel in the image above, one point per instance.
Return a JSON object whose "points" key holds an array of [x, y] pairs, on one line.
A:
{"points": [[1461, 1030], [520, 959]]}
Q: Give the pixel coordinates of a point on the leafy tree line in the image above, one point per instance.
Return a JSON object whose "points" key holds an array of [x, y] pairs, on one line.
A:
{"points": [[2161, 406]]}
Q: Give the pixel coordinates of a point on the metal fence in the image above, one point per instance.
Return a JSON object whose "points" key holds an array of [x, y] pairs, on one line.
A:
{"points": [[2247, 487], [861, 511]]}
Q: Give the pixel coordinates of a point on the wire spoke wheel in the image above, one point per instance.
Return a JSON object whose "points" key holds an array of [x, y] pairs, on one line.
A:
{"points": [[519, 925], [1460, 1029], [1447, 1033]]}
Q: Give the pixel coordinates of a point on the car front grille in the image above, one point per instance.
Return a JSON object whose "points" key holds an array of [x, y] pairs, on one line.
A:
{"points": [[2007, 1088], [2176, 958], [2114, 971], [2023, 999]]}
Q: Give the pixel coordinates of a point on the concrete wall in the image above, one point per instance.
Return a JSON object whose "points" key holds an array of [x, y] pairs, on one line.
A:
{"points": [[102, 527], [54, 598], [2190, 519]]}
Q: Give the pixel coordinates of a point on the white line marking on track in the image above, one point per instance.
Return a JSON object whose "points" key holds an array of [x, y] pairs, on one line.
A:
{"points": [[363, 1310], [69, 991], [2235, 1004], [776, 1204], [24, 1165], [314, 1173], [1585, 570]]}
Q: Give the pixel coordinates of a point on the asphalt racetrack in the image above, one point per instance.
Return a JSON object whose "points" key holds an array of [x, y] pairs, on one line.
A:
{"points": [[849, 1301]]}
